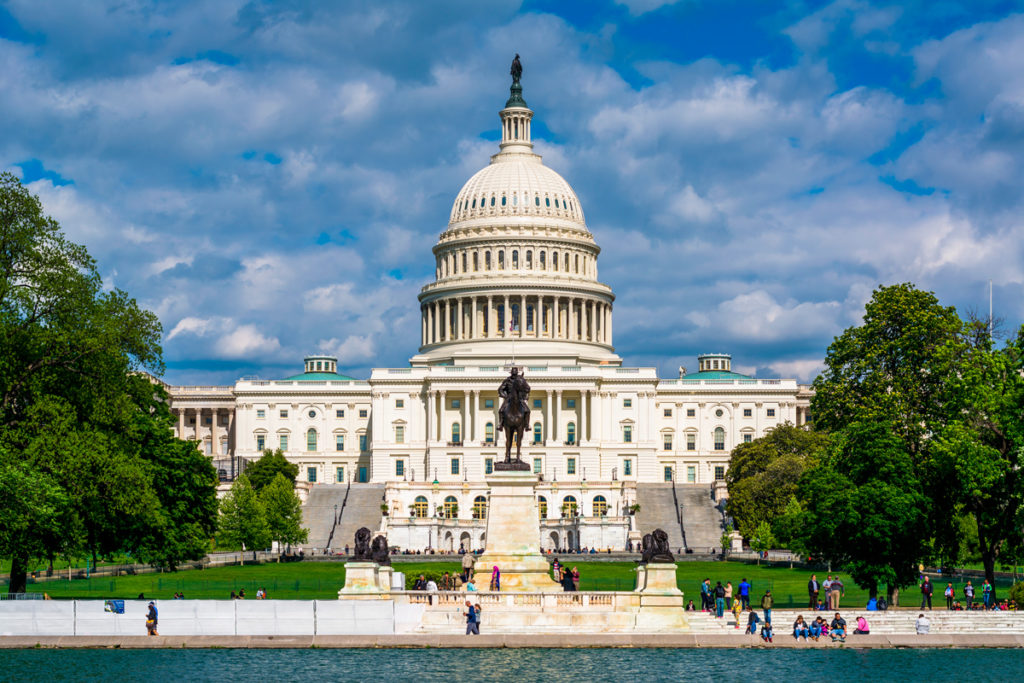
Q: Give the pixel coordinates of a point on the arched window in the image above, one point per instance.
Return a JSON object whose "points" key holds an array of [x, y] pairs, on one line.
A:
{"points": [[489, 432], [419, 507], [529, 318], [577, 266], [501, 318], [515, 259], [479, 508], [542, 507], [529, 258], [476, 261], [556, 202], [600, 506], [503, 200], [501, 259], [463, 262], [543, 260], [311, 440], [456, 433], [492, 200], [719, 439], [537, 433], [569, 506], [547, 201], [451, 507], [567, 263], [570, 433], [536, 201], [474, 202]]}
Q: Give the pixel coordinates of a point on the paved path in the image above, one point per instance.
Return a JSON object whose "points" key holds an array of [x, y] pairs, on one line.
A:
{"points": [[574, 640]]}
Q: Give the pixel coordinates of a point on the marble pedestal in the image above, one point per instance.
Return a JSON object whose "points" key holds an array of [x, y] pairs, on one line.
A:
{"points": [[362, 581], [513, 536], [661, 601]]}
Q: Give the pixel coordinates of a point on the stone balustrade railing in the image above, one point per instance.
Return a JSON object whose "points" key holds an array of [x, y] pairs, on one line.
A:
{"points": [[596, 600]]}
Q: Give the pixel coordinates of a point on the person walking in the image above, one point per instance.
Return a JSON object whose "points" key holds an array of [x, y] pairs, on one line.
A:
{"points": [[728, 595], [151, 619], [835, 591], [813, 587], [472, 615], [719, 600], [949, 593], [752, 621], [969, 595], [737, 610], [986, 594], [745, 593], [766, 604], [926, 593]]}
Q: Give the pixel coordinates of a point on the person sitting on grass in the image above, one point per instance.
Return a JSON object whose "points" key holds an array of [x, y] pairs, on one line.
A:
{"points": [[766, 632], [800, 628], [838, 628], [862, 627], [752, 621]]}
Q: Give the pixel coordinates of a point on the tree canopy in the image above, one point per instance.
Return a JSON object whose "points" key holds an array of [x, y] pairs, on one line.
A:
{"points": [[264, 470]]}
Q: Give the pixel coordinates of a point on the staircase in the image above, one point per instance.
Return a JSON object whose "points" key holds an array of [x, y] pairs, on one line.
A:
{"points": [[658, 511], [318, 512], [702, 521], [889, 622], [361, 509]]}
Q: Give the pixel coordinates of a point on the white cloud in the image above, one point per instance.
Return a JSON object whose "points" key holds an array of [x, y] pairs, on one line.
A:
{"points": [[638, 7]]}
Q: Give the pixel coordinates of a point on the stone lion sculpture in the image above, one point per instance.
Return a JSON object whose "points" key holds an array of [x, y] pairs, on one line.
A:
{"points": [[655, 548], [379, 550], [361, 552]]}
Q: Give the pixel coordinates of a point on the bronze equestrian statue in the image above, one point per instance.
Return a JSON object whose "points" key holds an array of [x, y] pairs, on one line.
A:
{"points": [[513, 417], [656, 548]]}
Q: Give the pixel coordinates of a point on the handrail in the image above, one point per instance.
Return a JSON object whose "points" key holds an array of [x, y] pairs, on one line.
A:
{"points": [[337, 519], [679, 512]]}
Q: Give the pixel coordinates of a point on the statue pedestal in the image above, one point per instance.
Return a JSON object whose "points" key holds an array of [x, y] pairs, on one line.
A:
{"points": [[513, 536], [661, 601], [362, 582]]}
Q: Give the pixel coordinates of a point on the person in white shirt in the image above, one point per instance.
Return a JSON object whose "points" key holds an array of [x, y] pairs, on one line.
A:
{"points": [[431, 586], [922, 625]]}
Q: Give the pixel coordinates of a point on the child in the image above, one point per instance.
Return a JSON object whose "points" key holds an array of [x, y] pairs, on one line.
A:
{"points": [[766, 632], [737, 610]]}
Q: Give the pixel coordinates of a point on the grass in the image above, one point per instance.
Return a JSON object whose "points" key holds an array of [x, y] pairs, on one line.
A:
{"points": [[322, 580]]}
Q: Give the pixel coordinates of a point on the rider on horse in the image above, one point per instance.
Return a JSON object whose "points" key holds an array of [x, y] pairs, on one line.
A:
{"points": [[514, 388]]}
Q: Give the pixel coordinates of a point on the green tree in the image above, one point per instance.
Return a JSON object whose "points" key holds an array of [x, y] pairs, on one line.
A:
{"points": [[864, 508], [270, 464], [283, 511], [763, 474], [243, 522], [786, 527], [762, 539]]}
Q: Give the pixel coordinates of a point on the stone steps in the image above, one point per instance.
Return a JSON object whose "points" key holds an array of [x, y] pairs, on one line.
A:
{"points": [[701, 519], [658, 511]]}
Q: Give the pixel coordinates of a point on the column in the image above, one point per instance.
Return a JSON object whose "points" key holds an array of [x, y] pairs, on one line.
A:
{"points": [[199, 422], [214, 440], [584, 326], [181, 423], [423, 326], [571, 320], [434, 323], [490, 319], [609, 323], [554, 419], [473, 328], [471, 417], [440, 414], [559, 328], [458, 319], [548, 424], [584, 410], [505, 332], [522, 316], [429, 431], [446, 324]]}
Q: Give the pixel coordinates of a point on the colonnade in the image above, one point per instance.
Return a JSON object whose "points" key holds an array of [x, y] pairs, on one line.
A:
{"points": [[457, 261], [533, 316], [472, 423], [196, 433]]}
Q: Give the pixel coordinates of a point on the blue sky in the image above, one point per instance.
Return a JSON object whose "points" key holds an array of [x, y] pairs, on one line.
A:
{"points": [[270, 177]]}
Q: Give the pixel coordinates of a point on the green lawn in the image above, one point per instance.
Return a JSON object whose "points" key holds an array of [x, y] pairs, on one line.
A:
{"points": [[321, 580]]}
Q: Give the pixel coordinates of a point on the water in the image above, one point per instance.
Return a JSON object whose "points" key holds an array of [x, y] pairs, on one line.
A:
{"points": [[550, 666]]}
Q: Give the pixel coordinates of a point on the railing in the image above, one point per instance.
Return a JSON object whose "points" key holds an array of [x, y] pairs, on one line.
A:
{"points": [[571, 368], [603, 601], [627, 371], [399, 371]]}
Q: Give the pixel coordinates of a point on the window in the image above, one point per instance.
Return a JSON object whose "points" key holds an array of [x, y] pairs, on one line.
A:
{"points": [[627, 467], [261, 442], [488, 403], [515, 258], [487, 260], [538, 434], [542, 507], [719, 439], [691, 412], [451, 507], [570, 466], [537, 466], [455, 465], [667, 412], [747, 438], [261, 413], [283, 442], [399, 434], [283, 413], [456, 403], [538, 403], [691, 474], [339, 475], [667, 441], [399, 403], [489, 432], [719, 413], [312, 414], [600, 506], [339, 442], [627, 403], [627, 434], [570, 403], [668, 473], [419, 507], [501, 260], [771, 412], [570, 433], [488, 465], [363, 412], [456, 434], [362, 442], [399, 468], [479, 508], [311, 475], [339, 413], [747, 412], [719, 472], [691, 442], [569, 506], [311, 440]]}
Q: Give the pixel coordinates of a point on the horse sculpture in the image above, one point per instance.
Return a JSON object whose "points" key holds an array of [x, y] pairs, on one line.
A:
{"points": [[514, 415]]}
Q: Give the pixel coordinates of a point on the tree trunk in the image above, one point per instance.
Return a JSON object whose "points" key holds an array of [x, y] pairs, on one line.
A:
{"points": [[873, 590], [989, 554], [19, 575]]}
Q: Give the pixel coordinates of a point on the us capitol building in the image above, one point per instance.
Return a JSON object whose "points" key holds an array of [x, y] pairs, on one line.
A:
{"points": [[516, 282]]}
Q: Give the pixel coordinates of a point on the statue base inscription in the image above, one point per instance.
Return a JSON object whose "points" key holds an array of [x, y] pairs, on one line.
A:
{"points": [[511, 466], [362, 582], [513, 536]]}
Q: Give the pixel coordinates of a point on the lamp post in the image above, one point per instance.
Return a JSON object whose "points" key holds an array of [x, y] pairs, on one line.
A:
{"points": [[335, 513]]}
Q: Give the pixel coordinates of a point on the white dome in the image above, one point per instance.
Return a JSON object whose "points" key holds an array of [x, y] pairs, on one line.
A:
{"points": [[517, 185]]}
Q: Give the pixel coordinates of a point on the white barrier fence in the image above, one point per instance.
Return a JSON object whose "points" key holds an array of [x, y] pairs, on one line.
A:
{"points": [[210, 617]]}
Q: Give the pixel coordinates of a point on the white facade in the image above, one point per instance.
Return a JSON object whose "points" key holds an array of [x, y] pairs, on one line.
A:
{"points": [[516, 282]]}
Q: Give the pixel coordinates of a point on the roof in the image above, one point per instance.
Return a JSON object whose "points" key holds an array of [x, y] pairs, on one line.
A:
{"points": [[319, 376], [716, 374]]}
